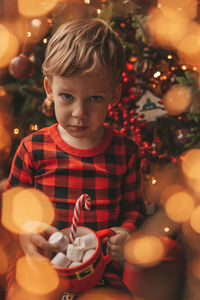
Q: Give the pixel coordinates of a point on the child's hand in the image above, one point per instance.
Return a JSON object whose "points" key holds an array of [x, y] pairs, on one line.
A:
{"points": [[34, 243], [115, 244]]}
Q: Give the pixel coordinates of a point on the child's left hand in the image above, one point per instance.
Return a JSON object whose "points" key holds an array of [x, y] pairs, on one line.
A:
{"points": [[115, 244]]}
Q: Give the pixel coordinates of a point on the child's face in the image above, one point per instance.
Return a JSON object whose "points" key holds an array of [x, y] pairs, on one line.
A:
{"points": [[81, 103]]}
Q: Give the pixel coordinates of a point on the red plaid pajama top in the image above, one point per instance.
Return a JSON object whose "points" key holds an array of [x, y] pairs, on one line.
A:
{"points": [[109, 173]]}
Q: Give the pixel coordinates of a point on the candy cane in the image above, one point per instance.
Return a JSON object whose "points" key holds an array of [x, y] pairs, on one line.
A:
{"points": [[83, 199]]}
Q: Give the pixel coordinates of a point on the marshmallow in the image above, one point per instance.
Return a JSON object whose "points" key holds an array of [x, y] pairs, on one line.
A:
{"points": [[60, 260], [87, 254], [88, 241], [75, 253], [59, 240], [75, 264]]}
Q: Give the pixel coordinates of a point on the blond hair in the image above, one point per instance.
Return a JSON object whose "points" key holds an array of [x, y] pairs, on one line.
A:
{"points": [[79, 46]]}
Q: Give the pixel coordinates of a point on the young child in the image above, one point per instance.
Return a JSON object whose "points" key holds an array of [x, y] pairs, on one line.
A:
{"points": [[81, 154]]}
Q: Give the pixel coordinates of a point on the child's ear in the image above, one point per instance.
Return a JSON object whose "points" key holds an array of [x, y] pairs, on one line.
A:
{"points": [[48, 89], [116, 95]]}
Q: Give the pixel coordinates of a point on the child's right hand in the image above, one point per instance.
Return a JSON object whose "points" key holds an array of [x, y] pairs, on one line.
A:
{"points": [[34, 243]]}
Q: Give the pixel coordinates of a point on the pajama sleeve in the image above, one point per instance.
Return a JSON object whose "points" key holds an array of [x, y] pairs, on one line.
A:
{"points": [[22, 169], [132, 206]]}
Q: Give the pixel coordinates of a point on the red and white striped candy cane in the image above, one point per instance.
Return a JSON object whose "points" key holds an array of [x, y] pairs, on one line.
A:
{"points": [[83, 199]]}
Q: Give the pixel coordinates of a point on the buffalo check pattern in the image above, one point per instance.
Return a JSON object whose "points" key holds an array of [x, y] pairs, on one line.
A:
{"points": [[109, 173]]}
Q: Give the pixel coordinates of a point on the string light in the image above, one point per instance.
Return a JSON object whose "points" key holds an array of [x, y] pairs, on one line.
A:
{"points": [[153, 180], [183, 67], [166, 229], [45, 40], [98, 11], [156, 74], [16, 131], [169, 56], [28, 34], [33, 127], [86, 1]]}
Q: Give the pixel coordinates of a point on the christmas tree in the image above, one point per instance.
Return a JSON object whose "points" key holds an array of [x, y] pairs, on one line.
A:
{"points": [[159, 107]]}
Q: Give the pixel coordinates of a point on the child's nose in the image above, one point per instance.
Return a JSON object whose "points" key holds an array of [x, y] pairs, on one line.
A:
{"points": [[79, 110]]}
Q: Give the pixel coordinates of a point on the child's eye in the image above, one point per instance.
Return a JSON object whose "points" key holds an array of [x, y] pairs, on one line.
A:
{"points": [[67, 96], [96, 98]]}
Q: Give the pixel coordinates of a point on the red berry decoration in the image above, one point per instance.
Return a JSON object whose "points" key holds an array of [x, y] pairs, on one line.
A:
{"points": [[21, 67]]}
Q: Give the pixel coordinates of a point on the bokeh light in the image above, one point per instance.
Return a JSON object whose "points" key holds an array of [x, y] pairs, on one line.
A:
{"points": [[36, 275], [106, 294], [36, 8], [10, 48], [4, 262], [191, 164], [189, 47], [195, 219], [26, 210], [179, 9], [144, 250], [177, 99], [179, 206], [195, 267], [4, 36], [166, 32], [5, 138]]}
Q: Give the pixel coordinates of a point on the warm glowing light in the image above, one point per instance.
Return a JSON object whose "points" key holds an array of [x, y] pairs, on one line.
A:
{"points": [[153, 181], [28, 34], [33, 127], [36, 23], [189, 46], [9, 49], [191, 164], [22, 216], [98, 11], [157, 74], [145, 250], [35, 8], [16, 131], [45, 40], [183, 67], [5, 138], [2, 92], [106, 294], [166, 229], [195, 267], [86, 1], [177, 99], [195, 219], [36, 275], [166, 31], [4, 36], [4, 262], [169, 56], [179, 10], [179, 206]]}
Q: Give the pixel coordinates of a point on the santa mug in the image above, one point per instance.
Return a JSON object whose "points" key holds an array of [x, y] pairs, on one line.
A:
{"points": [[85, 276]]}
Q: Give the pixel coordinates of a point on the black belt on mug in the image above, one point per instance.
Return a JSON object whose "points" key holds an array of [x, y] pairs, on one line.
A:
{"points": [[84, 272]]}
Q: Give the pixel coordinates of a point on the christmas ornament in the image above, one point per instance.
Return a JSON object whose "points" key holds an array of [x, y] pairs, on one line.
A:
{"points": [[177, 99], [149, 105], [139, 88], [21, 67], [144, 66]]}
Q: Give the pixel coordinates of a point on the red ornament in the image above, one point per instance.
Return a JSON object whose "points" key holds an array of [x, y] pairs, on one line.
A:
{"points": [[21, 67]]}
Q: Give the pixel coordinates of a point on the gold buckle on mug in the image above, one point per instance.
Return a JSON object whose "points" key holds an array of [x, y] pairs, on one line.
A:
{"points": [[85, 272]]}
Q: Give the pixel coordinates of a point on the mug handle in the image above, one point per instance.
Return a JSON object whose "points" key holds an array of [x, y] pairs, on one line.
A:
{"points": [[102, 234]]}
